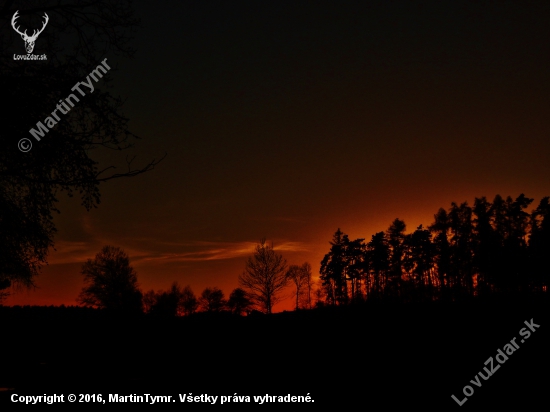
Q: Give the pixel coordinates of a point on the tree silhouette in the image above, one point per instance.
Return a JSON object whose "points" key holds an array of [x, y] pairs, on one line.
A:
{"points": [[62, 160], [485, 246], [378, 255], [442, 259], [461, 245], [239, 302], [516, 243], [3, 295], [264, 276], [418, 262], [212, 300], [319, 293], [297, 276], [301, 276], [355, 266], [396, 238], [333, 270], [110, 282], [149, 299], [163, 303], [308, 284], [188, 301], [539, 246]]}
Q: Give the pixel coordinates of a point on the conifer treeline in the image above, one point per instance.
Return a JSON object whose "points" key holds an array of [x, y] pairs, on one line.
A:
{"points": [[490, 248]]}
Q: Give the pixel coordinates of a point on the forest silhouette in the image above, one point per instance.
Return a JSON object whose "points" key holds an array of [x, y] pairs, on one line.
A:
{"points": [[491, 248], [494, 248]]}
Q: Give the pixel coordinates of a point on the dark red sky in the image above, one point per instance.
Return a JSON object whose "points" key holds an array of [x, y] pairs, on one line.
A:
{"points": [[287, 120]]}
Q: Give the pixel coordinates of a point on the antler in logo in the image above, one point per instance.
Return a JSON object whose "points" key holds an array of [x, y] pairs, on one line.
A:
{"points": [[29, 40]]}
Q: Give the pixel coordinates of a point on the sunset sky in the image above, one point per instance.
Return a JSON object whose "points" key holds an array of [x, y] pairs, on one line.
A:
{"points": [[290, 119]]}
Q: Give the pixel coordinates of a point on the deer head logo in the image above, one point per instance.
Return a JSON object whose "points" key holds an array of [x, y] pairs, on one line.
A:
{"points": [[29, 40]]}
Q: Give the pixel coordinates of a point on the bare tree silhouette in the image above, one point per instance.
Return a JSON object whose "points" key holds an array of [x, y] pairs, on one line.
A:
{"points": [[301, 277], [264, 276]]}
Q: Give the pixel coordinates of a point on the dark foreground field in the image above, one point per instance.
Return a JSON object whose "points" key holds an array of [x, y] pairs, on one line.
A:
{"points": [[373, 357]]}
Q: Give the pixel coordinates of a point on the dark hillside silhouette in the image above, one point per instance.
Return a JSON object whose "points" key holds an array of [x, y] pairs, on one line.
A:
{"points": [[88, 350]]}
